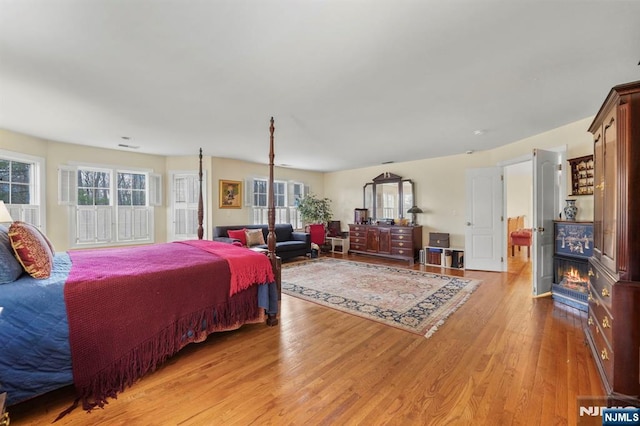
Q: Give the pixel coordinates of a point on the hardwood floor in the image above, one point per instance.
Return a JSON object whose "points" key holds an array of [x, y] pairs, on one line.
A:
{"points": [[502, 358]]}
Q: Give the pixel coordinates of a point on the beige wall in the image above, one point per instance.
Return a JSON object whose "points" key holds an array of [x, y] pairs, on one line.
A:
{"points": [[56, 153], [440, 182], [229, 169]]}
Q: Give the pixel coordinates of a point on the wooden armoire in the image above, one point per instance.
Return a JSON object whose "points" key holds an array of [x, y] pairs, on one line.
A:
{"points": [[613, 330]]}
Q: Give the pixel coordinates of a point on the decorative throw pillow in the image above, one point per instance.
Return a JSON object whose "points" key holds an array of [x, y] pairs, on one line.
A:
{"points": [[10, 268], [254, 237], [238, 234], [32, 249]]}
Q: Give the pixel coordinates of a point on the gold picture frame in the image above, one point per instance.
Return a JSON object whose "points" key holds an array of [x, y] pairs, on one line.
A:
{"points": [[230, 194]]}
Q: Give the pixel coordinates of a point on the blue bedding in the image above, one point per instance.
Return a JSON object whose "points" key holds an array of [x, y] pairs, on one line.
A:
{"points": [[34, 336], [35, 356]]}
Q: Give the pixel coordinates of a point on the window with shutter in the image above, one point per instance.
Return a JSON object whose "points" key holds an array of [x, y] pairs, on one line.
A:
{"points": [[21, 184], [110, 206]]}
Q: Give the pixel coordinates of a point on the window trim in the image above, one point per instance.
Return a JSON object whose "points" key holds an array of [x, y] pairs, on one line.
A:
{"points": [[39, 186], [69, 172]]}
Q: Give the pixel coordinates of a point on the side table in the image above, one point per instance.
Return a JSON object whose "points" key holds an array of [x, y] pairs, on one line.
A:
{"points": [[337, 241]]}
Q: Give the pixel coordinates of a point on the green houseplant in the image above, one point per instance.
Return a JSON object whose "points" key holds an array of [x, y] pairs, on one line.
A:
{"points": [[314, 210]]}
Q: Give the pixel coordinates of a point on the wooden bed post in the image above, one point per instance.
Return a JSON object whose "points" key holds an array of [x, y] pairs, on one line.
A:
{"points": [[200, 203], [271, 237]]}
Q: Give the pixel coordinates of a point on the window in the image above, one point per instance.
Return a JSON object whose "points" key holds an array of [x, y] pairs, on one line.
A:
{"points": [[285, 195], [20, 186], [108, 211]]}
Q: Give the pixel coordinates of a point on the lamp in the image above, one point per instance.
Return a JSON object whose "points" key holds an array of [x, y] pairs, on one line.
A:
{"points": [[414, 210], [5, 217]]}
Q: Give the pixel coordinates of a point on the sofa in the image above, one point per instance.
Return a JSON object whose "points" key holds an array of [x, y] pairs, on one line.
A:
{"points": [[289, 243]]}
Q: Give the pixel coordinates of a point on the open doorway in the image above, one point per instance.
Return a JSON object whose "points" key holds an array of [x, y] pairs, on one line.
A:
{"points": [[519, 214]]}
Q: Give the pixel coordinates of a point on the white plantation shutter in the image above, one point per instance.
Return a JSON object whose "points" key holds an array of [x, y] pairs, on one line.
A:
{"points": [[67, 186], [248, 193], [155, 189], [186, 191], [133, 223]]}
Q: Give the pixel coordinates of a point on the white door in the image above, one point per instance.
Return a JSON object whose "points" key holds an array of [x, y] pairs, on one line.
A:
{"points": [[546, 194], [183, 213], [484, 231]]}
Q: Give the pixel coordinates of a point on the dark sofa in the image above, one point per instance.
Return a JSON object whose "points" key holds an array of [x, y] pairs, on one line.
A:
{"points": [[289, 243]]}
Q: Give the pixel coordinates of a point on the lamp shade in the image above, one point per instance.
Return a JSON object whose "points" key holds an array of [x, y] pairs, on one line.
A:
{"points": [[4, 213], [414, 209]]}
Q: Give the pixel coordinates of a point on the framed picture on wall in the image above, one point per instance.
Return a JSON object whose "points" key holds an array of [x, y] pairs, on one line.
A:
{"points": [[230, 194]]}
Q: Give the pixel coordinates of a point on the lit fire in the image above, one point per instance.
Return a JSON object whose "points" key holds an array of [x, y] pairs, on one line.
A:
{"points": [[573, 278]]}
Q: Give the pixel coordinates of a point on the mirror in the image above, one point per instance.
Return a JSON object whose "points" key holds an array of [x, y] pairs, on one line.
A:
{"points": [[388, 197]]}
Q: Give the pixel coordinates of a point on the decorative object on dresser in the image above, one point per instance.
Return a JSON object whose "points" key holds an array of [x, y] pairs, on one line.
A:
{"points": [[360, 216], [581, 175], [388, 197], [391, 241], [573, 248], [613, 330], [414, 210], [570, 210]]}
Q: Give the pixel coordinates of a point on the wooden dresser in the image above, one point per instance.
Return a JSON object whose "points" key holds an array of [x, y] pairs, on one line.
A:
{"points": [[392, 241], [613, 330]]}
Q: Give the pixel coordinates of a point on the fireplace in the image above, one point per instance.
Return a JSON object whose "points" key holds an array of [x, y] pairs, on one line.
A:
{"points": [[571, 273], [574, 246]]}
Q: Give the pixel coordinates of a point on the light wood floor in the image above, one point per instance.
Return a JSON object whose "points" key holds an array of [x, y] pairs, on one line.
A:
{"points": [[502, 358]]}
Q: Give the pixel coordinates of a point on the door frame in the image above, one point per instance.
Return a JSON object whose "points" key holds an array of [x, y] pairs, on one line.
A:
{"points": [[562, 152]]}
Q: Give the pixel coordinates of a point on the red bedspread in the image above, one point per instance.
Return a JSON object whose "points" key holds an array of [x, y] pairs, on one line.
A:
{"points": [[246, 266], [129, 309]]}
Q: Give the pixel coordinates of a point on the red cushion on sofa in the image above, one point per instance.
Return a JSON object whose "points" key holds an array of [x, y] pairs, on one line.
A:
{"points": [[238, 234]]}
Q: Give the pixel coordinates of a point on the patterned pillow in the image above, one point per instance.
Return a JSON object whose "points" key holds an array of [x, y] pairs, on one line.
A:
{"points": [[10, 268], [238, 234], [32, 249], [254, 237]]}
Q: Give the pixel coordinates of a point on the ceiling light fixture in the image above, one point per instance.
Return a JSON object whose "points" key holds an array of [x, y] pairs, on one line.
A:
{"points": [[124, 145], [478, 132], [387, 162], [469, 151]]}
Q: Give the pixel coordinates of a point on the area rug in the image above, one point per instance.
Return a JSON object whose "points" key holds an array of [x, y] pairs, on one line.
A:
{"points": [[414, 301]]}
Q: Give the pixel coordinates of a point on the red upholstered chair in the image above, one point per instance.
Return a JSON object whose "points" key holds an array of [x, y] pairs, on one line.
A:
{"points": [[521, 237], [317, 234]]}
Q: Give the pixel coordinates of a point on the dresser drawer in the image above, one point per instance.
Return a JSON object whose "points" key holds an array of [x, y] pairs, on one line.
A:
{"points": [[604, 354], [354, 228], [357, 234], [357, 247], [600, 283], [600, 315], [356, 240], [399, 251], [401, 244], [401, 231]]}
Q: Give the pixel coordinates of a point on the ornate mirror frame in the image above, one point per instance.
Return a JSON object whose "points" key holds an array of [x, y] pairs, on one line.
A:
{"points": [[388, 188]]}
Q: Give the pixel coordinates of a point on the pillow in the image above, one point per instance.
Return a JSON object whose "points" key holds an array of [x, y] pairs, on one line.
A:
{"points": [[32, 249], [10, 268], [254, 237], [238, 234]]}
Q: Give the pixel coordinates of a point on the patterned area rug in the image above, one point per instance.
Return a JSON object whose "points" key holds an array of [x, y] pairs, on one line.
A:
{"points": [[414, 301]]}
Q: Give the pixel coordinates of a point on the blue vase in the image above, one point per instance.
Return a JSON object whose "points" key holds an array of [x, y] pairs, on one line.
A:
{"points": [[570, 210]]}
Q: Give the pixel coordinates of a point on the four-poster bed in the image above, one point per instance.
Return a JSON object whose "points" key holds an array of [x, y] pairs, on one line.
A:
{"points": [[105, 317]]}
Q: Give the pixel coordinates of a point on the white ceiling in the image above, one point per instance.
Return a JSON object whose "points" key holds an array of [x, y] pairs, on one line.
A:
{"points": [[350, 83]]}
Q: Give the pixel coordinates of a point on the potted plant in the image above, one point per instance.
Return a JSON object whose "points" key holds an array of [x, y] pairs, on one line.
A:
{"points": [[314, 210]]}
